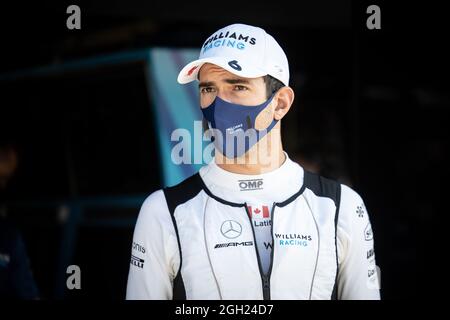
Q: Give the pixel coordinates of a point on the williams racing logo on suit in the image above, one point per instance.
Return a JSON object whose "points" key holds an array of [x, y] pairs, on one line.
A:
{"points": [[293, 239]]}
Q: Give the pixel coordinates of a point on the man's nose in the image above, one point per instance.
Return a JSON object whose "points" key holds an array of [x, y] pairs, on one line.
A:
{"points": [[224, 96]]}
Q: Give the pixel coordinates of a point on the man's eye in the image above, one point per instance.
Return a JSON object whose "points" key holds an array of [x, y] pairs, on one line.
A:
{"points": [[240, 88], [206, 90]]}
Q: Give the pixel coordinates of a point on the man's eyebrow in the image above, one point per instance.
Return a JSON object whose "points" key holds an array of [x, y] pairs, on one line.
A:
{"points": [[236, 81], [205, 84], [229, 81]]}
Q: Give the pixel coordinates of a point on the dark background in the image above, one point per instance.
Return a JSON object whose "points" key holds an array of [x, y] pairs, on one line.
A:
{"points": [[371, 109]]}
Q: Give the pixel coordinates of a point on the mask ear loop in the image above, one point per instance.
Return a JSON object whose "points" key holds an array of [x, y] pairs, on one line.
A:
{"points": [[272, 124]]}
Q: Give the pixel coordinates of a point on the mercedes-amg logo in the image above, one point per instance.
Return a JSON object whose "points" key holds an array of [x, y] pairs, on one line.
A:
{"points": [[231, 229]]}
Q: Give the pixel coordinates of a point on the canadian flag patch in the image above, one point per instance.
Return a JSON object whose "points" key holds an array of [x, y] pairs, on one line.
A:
{"points": [[259, 212]]}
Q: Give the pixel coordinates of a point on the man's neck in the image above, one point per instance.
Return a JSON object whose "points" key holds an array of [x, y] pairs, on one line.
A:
{"points": [[250, 167]]}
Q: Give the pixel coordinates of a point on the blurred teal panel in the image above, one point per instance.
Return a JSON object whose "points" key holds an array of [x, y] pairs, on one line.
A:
{"points": [[175, 107]]}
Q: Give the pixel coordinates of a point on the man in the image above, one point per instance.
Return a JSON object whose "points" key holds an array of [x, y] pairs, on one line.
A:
{"points": [[252, 224]]}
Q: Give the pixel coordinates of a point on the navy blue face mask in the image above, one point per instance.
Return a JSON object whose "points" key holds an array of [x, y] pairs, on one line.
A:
{"points": [[233, 126]]}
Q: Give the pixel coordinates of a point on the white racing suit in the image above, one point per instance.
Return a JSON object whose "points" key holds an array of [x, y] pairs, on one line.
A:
{"points": [[197, 240]]}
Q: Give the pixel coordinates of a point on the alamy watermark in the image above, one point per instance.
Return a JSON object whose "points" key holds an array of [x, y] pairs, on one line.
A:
{"points": [[74, 20], [190, 149], [74, 279], [374, 20]]}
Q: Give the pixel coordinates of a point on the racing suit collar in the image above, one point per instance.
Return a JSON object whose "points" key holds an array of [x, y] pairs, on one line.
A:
{"points": [[274, 186]]}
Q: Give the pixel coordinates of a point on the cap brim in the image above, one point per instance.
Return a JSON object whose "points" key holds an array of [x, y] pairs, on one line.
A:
{"points": [[190, 72]]}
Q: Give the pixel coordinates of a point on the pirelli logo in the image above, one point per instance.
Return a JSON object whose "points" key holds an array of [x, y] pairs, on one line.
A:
{"points": [[136, 261]]}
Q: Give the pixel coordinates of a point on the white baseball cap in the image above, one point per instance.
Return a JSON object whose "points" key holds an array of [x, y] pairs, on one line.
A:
{"points": [[243, 50]]}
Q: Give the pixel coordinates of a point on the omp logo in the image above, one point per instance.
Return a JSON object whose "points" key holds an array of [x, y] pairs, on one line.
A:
{"points": [[231, 229], [253, 184], [233, 244], [136, 261]]}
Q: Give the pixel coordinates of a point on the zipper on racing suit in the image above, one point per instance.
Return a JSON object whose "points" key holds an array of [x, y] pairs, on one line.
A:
{"points": [[265, 277]]}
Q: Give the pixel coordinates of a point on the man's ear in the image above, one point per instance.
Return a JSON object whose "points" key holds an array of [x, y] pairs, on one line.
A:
{"points": [[284, 99]]}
